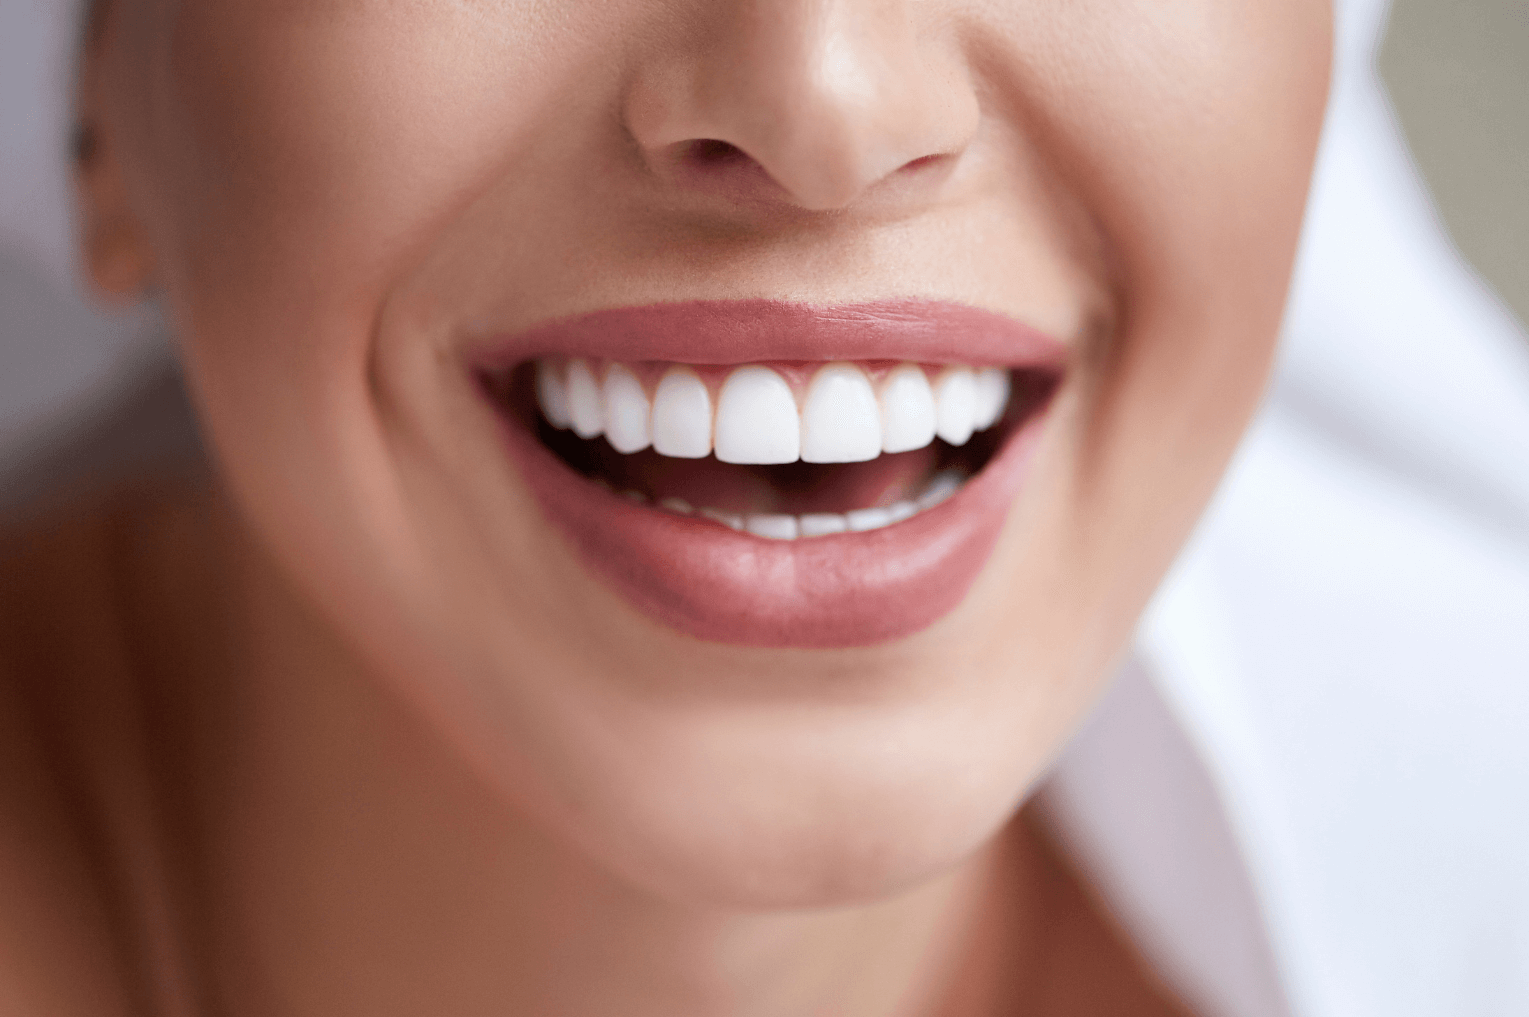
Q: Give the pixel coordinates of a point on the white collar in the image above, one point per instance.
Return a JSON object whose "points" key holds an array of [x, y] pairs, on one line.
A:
{"points": [[1141, 817]]}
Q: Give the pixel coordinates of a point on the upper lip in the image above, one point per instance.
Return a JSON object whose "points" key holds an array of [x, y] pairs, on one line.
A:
{"points": [[753, 331]]}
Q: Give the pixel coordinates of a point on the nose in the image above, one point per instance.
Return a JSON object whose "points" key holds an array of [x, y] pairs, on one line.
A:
{"points": [[828, 97]]}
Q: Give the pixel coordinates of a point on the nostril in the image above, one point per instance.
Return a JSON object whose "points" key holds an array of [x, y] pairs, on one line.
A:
{"points": [[716, 166], [709, 152]]}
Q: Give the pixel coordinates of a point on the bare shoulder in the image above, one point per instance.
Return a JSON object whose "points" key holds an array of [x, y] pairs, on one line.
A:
{"points": [[69, 658]]}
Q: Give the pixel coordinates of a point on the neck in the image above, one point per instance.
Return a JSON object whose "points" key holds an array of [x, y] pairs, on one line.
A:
{"points": [[355, 863]]}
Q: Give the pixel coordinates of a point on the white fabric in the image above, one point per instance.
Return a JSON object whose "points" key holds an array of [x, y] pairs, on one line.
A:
{"points": [[1343, 642], [1139, 813]]}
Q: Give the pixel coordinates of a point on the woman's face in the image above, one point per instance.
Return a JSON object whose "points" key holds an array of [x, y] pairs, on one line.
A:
{"points": [[365, 214]]}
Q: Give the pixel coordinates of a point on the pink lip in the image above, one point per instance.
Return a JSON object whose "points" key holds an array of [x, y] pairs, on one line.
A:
{"points": [[752, 331], [715, 584]]}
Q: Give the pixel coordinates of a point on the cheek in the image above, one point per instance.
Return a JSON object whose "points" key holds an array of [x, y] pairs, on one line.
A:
{"points": [[1188, 137], [1202, 168], [296, 162], [305, 159]]}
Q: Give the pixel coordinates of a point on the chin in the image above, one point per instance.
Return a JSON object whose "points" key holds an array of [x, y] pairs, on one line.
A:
{"points": [[802, 811]]}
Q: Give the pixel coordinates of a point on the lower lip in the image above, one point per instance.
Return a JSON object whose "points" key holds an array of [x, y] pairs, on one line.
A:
{"points": [[720, 585]]}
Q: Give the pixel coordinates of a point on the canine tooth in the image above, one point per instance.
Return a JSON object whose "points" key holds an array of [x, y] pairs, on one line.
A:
{"points": [[955, 395], [757, 422], [773, 527], [679, 505], [584, 409], [682, 416], [902, 510], [730, 519], [821, 524], [992, 396], [552, 395], [626, 411], [841, 422], [868, 519], [907, 410]]}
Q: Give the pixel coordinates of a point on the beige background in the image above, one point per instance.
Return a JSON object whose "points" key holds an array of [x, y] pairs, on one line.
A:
{"points": [[1458, 71]]}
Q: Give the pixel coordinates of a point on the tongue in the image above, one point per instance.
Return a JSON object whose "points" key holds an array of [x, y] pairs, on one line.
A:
{"points": [[792, 489]]}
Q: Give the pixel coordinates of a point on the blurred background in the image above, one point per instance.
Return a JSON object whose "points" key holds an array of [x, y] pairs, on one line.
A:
{"points": [[1458, 71]]}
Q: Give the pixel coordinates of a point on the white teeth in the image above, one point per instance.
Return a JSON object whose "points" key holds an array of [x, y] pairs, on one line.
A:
{"points": [[626, 411], [841, 422], [682, 416], [821, 524], [729, 519], [955, 395], [755, 419], [584, 404], [552, 395], [992, 396], [907, 410], [757, 422], [945, 484], [772, 527], [868, 519]]}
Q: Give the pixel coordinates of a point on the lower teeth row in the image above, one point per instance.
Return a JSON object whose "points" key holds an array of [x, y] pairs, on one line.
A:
{"points": [[819, 524]]}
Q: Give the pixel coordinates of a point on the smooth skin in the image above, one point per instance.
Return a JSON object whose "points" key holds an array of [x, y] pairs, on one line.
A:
{"points": [[350, 729]]}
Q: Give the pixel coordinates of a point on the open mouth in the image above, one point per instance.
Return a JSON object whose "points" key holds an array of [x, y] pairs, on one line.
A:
{"points": [[783, 451], [772, 474]]}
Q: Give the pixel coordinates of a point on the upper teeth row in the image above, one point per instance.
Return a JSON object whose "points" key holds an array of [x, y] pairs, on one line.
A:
{"points": [[756, 419]]}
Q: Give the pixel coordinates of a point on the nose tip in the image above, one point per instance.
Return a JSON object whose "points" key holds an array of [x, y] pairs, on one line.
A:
{"points": [[821, 99]]}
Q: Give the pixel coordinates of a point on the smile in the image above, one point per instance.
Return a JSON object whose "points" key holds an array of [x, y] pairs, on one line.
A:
{"points": [[743, 493]]}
